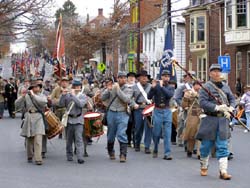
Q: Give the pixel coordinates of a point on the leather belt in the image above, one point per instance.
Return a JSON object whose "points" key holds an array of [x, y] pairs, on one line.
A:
{"points": [[74, 116], [215, 114], [161, 107]]}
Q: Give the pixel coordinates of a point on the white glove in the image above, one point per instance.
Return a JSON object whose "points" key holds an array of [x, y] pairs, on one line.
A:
{"points": [[231, 109], [202, 116], [221, 108], [227, 115]]}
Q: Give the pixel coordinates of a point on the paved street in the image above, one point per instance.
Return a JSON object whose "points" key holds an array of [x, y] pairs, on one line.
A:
{"points": [[140, 171]]}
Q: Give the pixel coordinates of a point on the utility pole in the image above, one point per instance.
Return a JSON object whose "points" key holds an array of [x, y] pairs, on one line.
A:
{"points": [[169, 13], [138, 35]]}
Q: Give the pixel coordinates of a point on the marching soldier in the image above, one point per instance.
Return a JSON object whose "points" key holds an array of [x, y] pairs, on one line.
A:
{"points": [[44, 92], [74, 129], [191, 104], [11, 96], [162, 92], [214, 128], [179, 93], [140, 92], [33, 127], [119, 96]]}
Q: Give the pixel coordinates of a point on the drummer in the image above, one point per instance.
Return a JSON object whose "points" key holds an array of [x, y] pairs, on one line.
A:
{"points": [[140, 91], [74, 127], [162, 92]]}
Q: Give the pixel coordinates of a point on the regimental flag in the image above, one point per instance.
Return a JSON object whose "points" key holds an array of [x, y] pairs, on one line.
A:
{"points": [[59, 68], [166, 62], [59, 52]]}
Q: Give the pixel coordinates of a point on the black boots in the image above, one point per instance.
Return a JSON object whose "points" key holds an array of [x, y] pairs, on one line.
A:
{"points": [[111, 150], [123, 152]]}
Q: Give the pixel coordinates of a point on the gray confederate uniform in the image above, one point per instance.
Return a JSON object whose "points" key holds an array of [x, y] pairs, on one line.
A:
{"points": [[117, 118], [33, 126], [74, 129]]}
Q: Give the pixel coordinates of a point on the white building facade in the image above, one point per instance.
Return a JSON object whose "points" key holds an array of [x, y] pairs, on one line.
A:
{"points": [[153, 46]]}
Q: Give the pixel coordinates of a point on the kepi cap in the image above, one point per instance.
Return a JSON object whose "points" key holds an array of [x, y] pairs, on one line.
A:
{"points": [[121, 74], [131, 74], [215, 67], [166, 72], [76, 82]]}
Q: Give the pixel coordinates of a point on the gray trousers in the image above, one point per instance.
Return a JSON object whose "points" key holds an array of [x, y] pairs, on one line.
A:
{"points": [[74, 132]]}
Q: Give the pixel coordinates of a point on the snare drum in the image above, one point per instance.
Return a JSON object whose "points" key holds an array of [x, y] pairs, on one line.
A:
{"points": [[93, 124], [148, 110], [147, 114], [54, 124]]}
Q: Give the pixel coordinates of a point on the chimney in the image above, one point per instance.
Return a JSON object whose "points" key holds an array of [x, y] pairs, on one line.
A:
{"points": [[100, 12]]}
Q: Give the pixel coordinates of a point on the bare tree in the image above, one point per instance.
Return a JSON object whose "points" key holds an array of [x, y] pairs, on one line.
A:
{"points": [[17, 17]]}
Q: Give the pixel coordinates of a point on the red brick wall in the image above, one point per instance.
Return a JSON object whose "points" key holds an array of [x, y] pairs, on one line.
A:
{"points": [[213, 41], [149, 12]]}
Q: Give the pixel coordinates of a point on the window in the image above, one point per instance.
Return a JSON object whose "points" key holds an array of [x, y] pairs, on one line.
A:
{"points": [[241, 13], [192, 30], [201, 28], [197, 29], [202, 68], [248, 67], [194, 2], [238, 64], [229, 15], [146, 41]]}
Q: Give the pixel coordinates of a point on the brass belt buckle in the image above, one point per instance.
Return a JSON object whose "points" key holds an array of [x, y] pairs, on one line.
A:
{"points": [[162, 105]]}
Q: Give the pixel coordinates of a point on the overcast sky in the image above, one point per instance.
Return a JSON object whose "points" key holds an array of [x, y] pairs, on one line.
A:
{"points": [[91, 7]]}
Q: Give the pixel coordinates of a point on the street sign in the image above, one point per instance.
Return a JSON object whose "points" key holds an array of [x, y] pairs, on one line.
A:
{"points": [[101, 67], [224, 62]]}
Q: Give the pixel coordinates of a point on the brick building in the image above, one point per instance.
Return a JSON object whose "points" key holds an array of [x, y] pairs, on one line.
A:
{"points": [[215, 28], [148, 13]]}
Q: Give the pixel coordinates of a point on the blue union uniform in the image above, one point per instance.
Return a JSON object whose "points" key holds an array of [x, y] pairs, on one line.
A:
{"points": [[214, 127], [162, 116]]}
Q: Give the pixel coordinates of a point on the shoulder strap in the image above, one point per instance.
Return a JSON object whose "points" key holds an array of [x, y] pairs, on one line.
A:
{"points": [[38, 109], [111, 102], [143, 92]]}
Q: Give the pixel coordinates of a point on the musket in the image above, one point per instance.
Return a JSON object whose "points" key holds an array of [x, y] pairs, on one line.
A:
{"points": [[209, 93]]}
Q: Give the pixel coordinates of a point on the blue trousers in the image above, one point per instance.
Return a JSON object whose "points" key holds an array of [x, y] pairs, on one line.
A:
{"points": [[117, 126], [140, 127], [220, 145], [162, 122]]}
